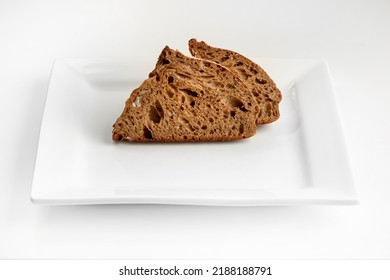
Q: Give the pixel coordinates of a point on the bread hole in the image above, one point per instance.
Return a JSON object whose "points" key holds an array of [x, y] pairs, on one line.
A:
{"points": [[170, 79], [232, 114], [185, 137], [260, 81], [192, 103], [157, 77], [189, 92], [231, 86], [183, 120], [201, 71], [154, 114], [160, 109], [165, 61], [238, 64], [226, 57], [211, 120], [253, 70], [244, 74], [268, 109], [207, 76], [183, 99], [191, 127], [204, 127], [147, 133], [170, 93], [255, 94], [185, 76], [206, 64], [241, 129], [236, 103]]}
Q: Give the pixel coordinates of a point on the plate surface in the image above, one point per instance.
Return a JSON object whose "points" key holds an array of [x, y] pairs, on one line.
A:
{"points": [[300, 159]]}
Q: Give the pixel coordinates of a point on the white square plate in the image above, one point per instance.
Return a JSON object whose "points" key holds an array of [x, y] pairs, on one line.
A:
{"points": [[300, 159]]}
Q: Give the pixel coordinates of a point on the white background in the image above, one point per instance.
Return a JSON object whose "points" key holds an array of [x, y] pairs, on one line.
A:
{"points": [[353, 36]]}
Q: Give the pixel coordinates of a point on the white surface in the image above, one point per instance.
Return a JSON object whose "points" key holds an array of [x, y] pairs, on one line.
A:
{"points": [[85, 166], [353, 36]]}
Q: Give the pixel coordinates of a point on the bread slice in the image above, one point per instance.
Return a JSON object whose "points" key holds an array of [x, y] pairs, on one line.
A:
{"points": [[263, 88], [188, 99]]}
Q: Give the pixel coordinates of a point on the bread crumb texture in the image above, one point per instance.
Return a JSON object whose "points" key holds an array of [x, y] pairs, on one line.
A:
{"points": [[189, 99]]}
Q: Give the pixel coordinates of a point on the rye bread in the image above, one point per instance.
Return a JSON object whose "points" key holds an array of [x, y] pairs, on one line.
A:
{"points": [[188, 99], [263, 88]]}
